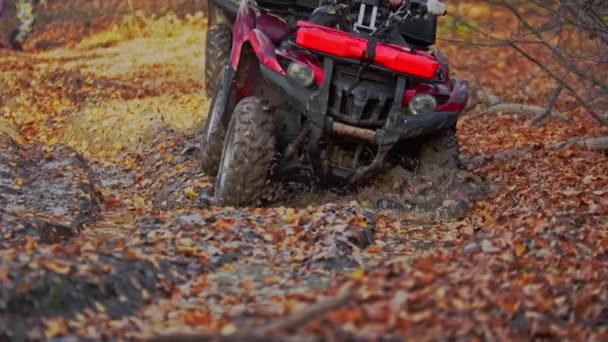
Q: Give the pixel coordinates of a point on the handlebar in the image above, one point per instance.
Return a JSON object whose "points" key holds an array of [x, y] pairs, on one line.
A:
{"points": [[376, 17], [410, 8], [434, 7]]}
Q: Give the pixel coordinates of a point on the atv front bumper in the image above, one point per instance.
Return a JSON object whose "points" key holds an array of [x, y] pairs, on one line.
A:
{"points": [[398, 126]]}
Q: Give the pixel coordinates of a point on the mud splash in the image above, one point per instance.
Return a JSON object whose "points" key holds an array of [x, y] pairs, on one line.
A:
{"points": [[446, 194]]}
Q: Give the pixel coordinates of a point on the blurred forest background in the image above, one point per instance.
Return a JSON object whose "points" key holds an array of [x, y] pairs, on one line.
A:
{"points": [[565, 42], [85, 16]]}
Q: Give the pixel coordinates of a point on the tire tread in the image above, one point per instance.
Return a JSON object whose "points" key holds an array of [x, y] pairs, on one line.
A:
{"points": [[251, 134]]}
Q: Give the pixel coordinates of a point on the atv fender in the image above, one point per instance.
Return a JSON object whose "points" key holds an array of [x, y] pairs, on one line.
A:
{"points": [[458, 98], [244, 31], [239, 78], [244, 24], [263, 48]]}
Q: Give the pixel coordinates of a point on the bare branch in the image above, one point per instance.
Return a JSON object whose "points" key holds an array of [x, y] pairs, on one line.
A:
{"points": [[556, 51], [310, 313], [539, 117], [598, 144], [602, 120]]}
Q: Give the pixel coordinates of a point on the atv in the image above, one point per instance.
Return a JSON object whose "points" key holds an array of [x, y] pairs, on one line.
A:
{"points": [[338, 92]]}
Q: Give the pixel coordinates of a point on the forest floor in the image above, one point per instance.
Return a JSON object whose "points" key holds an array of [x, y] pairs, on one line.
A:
{"points": [[107, 230]]}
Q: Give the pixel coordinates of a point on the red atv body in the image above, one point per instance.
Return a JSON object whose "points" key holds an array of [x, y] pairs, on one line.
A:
{"points": [[297, 97]]}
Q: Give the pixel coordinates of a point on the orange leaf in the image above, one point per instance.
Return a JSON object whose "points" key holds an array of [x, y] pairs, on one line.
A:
{"points": [[374, 249], [358, 274], [58, 267], [55, 327], [520, 249], [196, 318]]}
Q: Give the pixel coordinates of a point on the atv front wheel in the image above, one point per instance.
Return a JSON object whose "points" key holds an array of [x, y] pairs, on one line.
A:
{"points": [[249, 149], [217, 51], [439, 151]]}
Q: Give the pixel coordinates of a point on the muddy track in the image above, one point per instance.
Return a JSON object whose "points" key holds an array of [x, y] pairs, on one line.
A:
{"points": [[170, 234]]}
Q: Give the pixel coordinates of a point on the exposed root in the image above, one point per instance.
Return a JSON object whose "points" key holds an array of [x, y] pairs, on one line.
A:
{"points": [[312, 312], [525, 109], [496, 105], [598, 144], [293, 321]]}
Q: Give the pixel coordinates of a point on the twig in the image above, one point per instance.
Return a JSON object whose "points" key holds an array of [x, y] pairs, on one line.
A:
{"points": [[524, 109], [293, 321], [589, 100], [599, 118], [598, 144], [538, 118], [596, 116], [312, 312], [557, 52]]}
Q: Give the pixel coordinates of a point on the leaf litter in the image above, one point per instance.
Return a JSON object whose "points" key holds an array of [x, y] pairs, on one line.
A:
{"points": [[107, 230]]}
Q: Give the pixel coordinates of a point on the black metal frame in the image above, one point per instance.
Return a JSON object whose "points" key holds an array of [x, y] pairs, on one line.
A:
{"points": [[313, 103]]}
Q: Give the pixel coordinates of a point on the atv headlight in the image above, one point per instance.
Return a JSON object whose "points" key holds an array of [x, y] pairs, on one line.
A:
{"points": [[422, 103], [301, 74]]}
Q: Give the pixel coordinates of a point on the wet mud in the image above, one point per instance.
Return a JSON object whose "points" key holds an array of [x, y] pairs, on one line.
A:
{"points": [[57, 207], [46, 193]]}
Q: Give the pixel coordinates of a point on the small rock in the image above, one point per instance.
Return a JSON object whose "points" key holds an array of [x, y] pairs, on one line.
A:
{"points": [[543, 254], [471, 248], [449, 203], [386, 204], [488, 247], [193, 219]]}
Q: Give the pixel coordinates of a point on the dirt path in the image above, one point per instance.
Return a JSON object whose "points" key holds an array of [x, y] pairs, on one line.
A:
{"points": [[154, 256]]}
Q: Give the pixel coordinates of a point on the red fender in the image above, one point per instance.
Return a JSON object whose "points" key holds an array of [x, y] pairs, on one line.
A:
{"points": [[244, 23], [263, 48], [271, 29], [458, 99]]}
